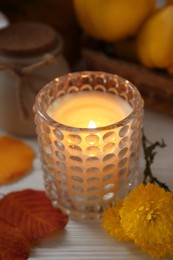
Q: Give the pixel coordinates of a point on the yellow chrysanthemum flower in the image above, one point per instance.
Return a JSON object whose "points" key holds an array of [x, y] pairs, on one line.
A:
{"points": [[111, 222], [157, 250], [147, 218]]}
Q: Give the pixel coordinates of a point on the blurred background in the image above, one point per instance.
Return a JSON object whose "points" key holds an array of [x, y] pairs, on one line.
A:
{"points": [[131, 38], [57, 13]]}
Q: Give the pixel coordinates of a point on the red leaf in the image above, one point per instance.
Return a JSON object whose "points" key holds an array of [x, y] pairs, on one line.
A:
{"points": [[13, 244], [31, 211]]}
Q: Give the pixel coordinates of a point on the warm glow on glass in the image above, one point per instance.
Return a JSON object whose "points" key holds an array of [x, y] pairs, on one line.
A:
{"points": [[92, 124], [78, 109], [90, 156]]}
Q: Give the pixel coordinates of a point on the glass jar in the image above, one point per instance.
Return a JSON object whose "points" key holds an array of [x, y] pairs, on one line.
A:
{"points": [[30, 56], [85, 170]]}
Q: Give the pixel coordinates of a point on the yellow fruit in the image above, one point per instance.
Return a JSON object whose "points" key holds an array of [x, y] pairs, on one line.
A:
{"points": [[112, 19], [155, 39]]}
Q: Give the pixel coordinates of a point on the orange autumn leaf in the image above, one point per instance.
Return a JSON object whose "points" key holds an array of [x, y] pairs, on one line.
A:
{"points": [[16, 159], [31, 211], [13, 244]]}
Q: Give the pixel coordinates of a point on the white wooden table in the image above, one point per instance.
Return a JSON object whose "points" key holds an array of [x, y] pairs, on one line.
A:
{"points": [[84, 240]]}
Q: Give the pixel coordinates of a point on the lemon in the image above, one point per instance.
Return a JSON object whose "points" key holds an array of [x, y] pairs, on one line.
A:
{"points": [[112, 19], [155, 39]]}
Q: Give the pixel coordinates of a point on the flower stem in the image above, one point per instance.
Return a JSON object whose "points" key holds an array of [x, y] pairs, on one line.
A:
{"points": [[149, 155]]}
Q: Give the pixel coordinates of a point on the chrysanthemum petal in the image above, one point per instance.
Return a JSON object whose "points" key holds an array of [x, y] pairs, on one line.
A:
{"points": [[156, 250], [111, 222], [147, 217]]}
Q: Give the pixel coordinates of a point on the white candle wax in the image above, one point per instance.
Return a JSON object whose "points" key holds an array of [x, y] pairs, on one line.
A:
{"points": [[78, 109]]}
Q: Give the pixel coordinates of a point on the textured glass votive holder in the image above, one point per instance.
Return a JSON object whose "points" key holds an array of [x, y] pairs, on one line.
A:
{"points": [[85, 170]]}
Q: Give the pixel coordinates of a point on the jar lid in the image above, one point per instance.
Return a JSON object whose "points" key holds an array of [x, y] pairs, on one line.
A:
{"points": [[27, 38]]}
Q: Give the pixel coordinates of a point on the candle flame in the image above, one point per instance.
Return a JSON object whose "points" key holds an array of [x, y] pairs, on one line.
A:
{"points": [[92, 124]]}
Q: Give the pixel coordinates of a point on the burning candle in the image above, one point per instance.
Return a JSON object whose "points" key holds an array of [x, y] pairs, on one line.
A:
{"points": [[89, 140]]}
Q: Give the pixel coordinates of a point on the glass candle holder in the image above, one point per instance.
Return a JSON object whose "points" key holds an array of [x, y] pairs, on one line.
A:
{"points": [[88, 168]]}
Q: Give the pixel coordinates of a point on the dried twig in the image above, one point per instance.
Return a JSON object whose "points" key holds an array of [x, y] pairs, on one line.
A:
{"points": [[149, 155]]}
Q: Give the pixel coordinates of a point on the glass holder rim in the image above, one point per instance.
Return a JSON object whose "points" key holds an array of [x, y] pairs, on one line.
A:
{"points": [[61, 126]]}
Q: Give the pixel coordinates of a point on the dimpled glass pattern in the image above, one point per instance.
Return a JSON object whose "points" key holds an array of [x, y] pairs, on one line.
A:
{"points": [[84, 170]]}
